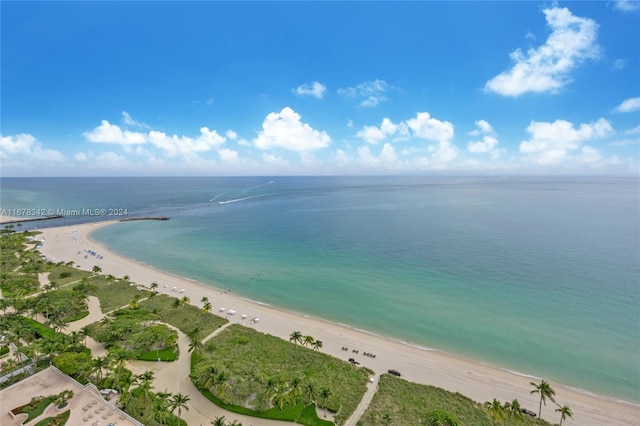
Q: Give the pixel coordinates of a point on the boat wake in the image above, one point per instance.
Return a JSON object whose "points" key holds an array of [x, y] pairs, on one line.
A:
{"points": [[240, 199]]}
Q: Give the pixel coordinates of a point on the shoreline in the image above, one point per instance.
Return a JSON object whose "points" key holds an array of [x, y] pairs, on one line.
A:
{"points": [[476, 379]]}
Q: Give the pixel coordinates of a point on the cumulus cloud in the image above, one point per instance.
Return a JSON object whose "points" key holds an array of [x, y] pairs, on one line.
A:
{"points": [[422, 126], [547, 68], [488, 143], [426, 127], [112, 133], [370, 93], [172, 145], [374, 134], [627, 5], [26, 147], [285, 130], [183, 145], [628, 105], [314, 89], [551, 143]]}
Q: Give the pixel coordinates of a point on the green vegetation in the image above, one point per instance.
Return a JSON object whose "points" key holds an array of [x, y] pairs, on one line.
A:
{"points": [[59, 420], [60, 307], [134, 331], [166, 355], [399, 402], [184, 317], [114, 293], [19, 265], [243, 369], [65, 274], [35, 407]]}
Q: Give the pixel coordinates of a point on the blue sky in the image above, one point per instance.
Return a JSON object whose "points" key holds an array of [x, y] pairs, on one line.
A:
{"points": [[323, 88]]}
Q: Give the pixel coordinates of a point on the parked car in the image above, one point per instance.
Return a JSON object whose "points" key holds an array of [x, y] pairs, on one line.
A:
{"points": [[353, 361], [395, 373], [529, 412]]}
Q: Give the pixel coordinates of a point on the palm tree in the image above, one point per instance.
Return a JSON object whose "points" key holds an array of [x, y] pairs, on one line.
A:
{"points": [[545, 391], [154, 286], [221, 383], [282, 396], [185, 301], [160, 411], [96, 270], [310, 393], [565, 412], [204, 300], [179, 401], [308, 341], [325, 393], [270, 389], [294, 389], [513, 411], [207, 376], [386, 418], [218, 421], [195, 345], [144, 383], [317, 345], [295, 337], [206, 308], [495, 410]]}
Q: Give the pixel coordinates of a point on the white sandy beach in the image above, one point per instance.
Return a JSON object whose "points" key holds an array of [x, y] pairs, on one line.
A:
{"points": [[478, 381]]}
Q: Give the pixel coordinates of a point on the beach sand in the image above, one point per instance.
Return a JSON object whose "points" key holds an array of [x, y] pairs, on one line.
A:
{"points": [[478, 381]]}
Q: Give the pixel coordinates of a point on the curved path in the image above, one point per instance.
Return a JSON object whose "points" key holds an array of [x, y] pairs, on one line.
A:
{"points": [[173, 377]]}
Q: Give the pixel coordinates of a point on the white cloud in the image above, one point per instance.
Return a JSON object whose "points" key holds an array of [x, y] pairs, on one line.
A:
{"points": [[371, 92], [25, 147], [374, 134], [551, 143], [482, 127], [228, 155], [112, 133], [184, 145], [547, 68], [231, 135], [628, 105], [627, 5], [488, 143], [172, 145], [314, 89], [285, 130], [128, 120], [426, 127], [422, 126], [634, 131]]}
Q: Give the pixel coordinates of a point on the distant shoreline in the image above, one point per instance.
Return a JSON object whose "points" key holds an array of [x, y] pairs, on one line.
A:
{"points": [[475, 379]]}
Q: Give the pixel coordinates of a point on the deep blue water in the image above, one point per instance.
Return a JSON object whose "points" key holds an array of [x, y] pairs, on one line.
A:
{"points": [[538, 275]]}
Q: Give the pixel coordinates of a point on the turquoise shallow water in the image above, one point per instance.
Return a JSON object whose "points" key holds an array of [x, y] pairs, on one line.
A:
{"points": [[538, 275]]}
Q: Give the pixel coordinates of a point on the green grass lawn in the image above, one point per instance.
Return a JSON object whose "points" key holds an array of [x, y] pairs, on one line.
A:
{"points": [[60, 419], [399, 402], [34, 408], [251, 360], [165, 355]]}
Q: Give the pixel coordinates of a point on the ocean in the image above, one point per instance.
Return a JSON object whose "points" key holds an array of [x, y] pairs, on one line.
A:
{"points": [[538, 275]]}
